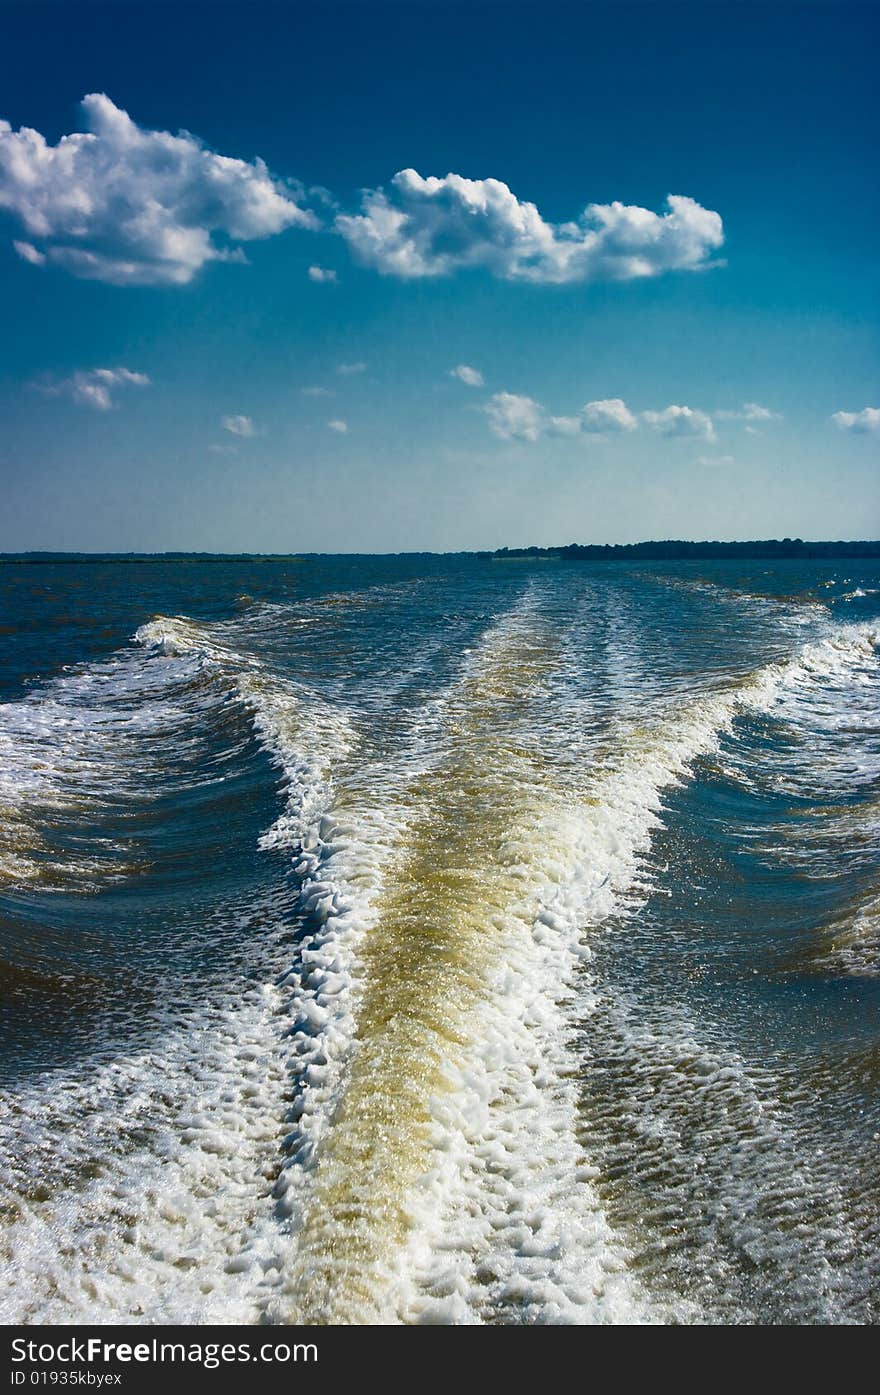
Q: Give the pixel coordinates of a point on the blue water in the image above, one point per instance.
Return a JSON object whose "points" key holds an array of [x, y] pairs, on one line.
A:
{"points": [[439, 939]]}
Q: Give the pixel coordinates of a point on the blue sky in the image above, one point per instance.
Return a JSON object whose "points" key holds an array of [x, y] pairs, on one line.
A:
{"points": [[172, 376]]}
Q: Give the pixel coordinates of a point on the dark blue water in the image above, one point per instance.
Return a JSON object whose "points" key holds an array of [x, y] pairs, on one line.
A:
{"points": [[444, 939]]}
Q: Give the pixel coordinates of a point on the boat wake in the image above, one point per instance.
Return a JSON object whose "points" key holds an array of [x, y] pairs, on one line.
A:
{"points": [[382, 1121]]}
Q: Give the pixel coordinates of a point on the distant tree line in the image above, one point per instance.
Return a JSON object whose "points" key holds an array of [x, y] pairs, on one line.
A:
{"points": [[676, 549], [670, 550]]}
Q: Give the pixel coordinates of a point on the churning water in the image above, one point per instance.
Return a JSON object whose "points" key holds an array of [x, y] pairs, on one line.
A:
{"points": [[439, 940]]}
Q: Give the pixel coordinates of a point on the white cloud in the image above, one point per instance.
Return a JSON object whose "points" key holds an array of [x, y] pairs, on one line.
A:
{"points": [[749, 411], [471, 377], [130, 205], [514, 417], [681, 421], [866, 420], [316, 392], [238, 425], [609, 414], [716, 460], [432, 227], [95, 387], [133, 206], [347, 369], [337, 424]]}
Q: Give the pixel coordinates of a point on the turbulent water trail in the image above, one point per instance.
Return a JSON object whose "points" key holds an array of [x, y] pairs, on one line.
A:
{"points": [[391, 1108], [479, 850], [455, 1101]]}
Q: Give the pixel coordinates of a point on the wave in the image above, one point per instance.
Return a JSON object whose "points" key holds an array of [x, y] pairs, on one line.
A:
{"points": [[80, 754], [157, 1163], [850, 943]]}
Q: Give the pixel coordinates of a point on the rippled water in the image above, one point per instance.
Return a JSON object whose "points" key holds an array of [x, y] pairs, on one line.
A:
{"points": [[439, 940]]}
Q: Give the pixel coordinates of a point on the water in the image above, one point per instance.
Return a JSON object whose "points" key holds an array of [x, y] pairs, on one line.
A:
{"points": [[435, 939]]}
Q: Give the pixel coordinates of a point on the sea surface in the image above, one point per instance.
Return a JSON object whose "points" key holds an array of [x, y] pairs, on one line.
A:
{"points": [[439, 939]]}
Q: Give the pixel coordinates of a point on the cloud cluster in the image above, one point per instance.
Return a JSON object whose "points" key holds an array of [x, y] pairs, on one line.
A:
{"points": [[339, 426], [432, 227], [130, 205], [515, 417], [681, 421], [864, 421], [133, 206], [95, 386]]}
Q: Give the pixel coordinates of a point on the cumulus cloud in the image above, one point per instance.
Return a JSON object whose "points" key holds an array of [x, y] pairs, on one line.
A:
{"points": [[130, 205], [681, 421], [471, 377], [608, 414], [348, 369], [866, 420], [432, 227], [337, 424], [238, 425], [121, 203], [514, 417], [316, 392], [94, 387]]}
